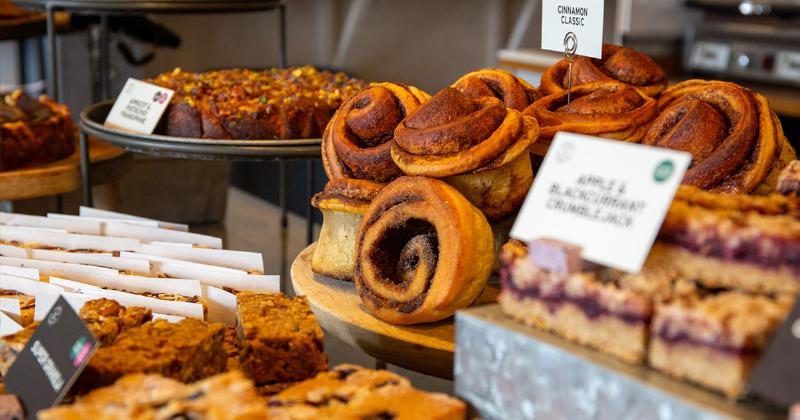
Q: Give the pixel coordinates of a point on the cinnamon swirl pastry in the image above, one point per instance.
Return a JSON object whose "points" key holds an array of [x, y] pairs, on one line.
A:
{"points": [[359, 137], [606, 109], [476, 144], [513, 91], [423, 251], [620, 64], [342, 202], [736, 140]]}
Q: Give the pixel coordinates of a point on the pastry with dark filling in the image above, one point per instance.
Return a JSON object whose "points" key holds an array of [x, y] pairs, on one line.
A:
{"points": [[621, 64], [343, 202], [734, 242], [515, 92], [145, 397], [715, 340], [475, 144], [423, 251], [353, 392], [736, 140], [358, 140], [789, 179], [605, 109], [589, 307], [33, 132]]}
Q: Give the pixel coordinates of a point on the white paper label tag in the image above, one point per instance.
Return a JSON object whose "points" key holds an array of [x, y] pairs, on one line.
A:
{"points": [[609, 197], [139, 107], [584, 18]]}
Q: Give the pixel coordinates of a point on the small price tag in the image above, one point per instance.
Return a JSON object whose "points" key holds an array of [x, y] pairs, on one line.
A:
{"points": [[776, 377], [608, 197], [52, 360], [584, 18], [139, 107]]}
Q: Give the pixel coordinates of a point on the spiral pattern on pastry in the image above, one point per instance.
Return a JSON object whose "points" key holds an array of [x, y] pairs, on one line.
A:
{"points": [[736, 141], [606, 109], [454, 134], [423, 251], [357, 141], [621, 64], [513, 91]]}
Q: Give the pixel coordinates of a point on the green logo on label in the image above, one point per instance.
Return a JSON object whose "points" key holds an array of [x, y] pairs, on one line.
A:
{"points": [[76, 347], [663, 171]]}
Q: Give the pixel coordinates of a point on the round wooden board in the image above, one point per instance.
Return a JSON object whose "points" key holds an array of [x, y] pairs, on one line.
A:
{"points": [[63, 176], [426, 348]]}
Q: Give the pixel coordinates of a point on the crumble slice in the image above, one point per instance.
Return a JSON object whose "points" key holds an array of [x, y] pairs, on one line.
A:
{"points": [[281, 340]]}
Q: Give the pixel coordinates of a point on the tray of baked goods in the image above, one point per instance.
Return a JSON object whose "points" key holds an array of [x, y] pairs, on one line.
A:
{"points": [[417, 220], [185, 329], [236, 114], [38, 156]]}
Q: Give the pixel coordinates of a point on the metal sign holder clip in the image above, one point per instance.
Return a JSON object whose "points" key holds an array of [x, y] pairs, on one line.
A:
{"points": [[570, 47]]}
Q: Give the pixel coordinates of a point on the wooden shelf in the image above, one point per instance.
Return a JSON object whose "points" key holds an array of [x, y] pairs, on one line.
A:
{"points": [[424, 348]]}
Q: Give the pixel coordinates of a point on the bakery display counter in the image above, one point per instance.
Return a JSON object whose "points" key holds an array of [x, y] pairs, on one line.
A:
{"points": [[108, 163], [507, 370], [426, 348]]}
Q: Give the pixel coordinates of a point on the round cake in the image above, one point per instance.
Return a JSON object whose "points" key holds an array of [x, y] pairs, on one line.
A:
{"points": [[33, 131], [293, 103]]}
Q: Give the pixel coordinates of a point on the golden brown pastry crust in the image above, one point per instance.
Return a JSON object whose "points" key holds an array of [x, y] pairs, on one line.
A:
{"points": [[423, 251], [476, 144], [605, 109], [351, 195], [453, 134], [736, 140], [342, 203], [359, 137], [515, 92], [620, 64]]}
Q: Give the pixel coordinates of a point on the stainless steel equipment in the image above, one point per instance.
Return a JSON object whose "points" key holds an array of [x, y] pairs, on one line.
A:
{"points": [[745, 39]]}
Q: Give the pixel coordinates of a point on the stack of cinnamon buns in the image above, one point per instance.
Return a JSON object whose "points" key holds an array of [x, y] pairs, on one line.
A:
{"points": [[423, 189]]}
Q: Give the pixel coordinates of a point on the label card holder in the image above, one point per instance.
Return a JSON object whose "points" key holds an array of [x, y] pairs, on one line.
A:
{"points": [[776, 377], [608, 197], [139, 107], [54, 357], [584, 18]]}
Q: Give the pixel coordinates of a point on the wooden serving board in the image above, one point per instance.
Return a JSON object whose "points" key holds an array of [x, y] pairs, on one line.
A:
{"points": [[426, 348], [63, 176]]}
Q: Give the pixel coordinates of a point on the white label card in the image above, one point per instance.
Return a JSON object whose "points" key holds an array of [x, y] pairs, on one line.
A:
{"points": [[584, 18], [609, 197], [139, 107]]}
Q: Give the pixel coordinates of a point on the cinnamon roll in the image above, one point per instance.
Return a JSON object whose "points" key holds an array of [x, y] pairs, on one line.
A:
{"points": [[476, 144], [513, 91], [736, 140], [358, 139], [620, 64], [423, 251], [342, 202], [606, 109]]}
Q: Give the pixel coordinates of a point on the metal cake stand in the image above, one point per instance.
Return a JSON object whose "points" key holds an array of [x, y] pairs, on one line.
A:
{"points": [[91, 124]]}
